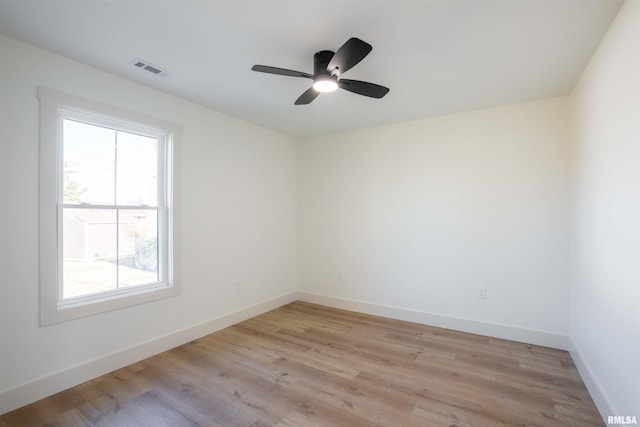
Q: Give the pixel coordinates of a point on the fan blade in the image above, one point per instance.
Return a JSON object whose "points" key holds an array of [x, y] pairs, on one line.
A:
{"points": [[363, 88], [280, 71], [308, 96], [352, 52]]}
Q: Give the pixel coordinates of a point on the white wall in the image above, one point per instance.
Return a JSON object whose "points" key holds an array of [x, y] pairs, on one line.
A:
{"points": [[605, 285], [418, 215], [236, 210]]}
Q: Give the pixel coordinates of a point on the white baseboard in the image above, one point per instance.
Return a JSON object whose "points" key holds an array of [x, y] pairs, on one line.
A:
{"points": [[596, 391], [30, 392], [529, 336]]}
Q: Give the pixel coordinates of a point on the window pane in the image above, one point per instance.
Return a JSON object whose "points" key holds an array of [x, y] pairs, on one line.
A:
{"points": [[137, 183], [89, 163], [89, 251], [138, 257]]}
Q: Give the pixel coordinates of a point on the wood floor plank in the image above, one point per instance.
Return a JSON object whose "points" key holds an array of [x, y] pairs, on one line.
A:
{"points": [[308, 365]]}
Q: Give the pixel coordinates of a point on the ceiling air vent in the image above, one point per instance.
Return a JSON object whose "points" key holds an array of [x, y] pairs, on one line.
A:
{"points": [[147, 66]]}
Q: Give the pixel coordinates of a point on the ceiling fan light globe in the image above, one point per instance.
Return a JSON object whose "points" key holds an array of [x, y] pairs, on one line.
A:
{"points": [[325, 86]]}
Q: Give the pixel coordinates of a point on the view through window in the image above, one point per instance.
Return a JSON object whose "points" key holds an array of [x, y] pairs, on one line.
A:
{"points": [[112, 200]]}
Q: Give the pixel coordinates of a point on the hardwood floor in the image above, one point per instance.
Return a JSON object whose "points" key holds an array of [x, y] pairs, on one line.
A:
{"points": [[308, 365]]}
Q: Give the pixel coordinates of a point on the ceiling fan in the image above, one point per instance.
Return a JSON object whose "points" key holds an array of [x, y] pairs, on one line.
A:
{"points": [[327, 69]]}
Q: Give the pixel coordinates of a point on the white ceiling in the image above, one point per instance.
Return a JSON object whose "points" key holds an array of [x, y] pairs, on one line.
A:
{"points": [[437, 56]]}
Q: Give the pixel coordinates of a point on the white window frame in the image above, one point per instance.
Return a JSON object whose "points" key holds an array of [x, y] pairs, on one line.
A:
{"points": [[54, 108]]}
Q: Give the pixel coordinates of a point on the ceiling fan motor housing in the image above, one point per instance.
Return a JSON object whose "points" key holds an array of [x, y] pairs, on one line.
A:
{"points": [[321, 61]]}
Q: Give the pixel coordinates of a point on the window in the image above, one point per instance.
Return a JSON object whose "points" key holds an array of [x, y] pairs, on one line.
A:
{"points": [[106, 207]]}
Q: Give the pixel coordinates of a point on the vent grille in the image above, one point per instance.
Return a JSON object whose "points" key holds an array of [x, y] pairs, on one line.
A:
{"points": [[147, 66]]}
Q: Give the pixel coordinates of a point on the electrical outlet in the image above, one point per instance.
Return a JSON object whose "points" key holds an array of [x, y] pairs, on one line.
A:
{"points": [[482, 293], [340, 276], [236, 285]]}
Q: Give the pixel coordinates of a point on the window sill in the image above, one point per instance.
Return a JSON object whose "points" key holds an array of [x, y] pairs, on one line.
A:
{"points": [[63, 312]]}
